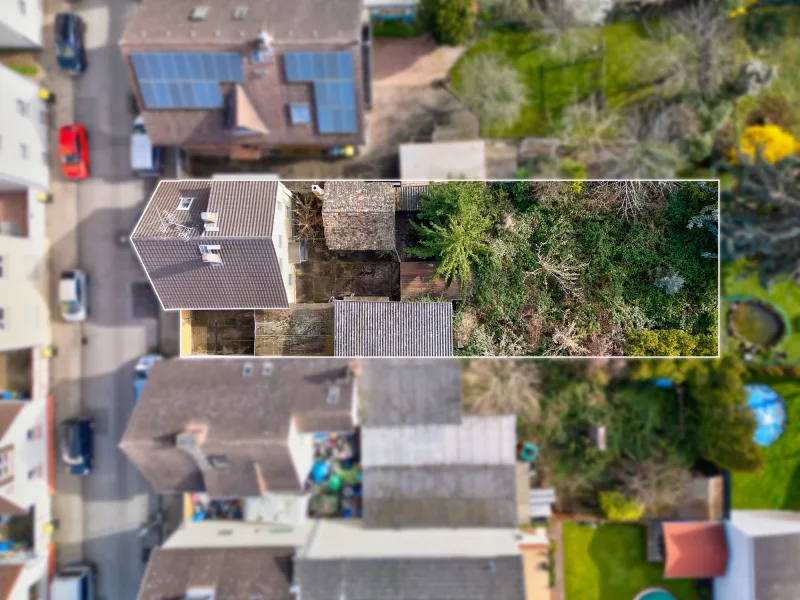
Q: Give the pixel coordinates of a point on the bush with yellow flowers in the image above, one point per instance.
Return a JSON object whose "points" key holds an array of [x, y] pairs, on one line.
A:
{"points": [[771, 141], [742, 9]]}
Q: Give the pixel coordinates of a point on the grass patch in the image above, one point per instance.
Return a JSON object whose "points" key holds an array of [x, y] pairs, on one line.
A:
{"points": [[610, 562], [397, 28], [777, 485], [533, 53], [26, 70], [785, 295]]}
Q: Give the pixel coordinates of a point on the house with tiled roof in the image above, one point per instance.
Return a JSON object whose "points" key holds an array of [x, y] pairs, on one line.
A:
{"points": [[237, 427], [219, 244], [358, 215], [25, 505], [244, 78], [377, 328]]}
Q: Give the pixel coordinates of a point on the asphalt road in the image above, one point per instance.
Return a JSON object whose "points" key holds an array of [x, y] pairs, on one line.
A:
{"points": [[100, 515]]}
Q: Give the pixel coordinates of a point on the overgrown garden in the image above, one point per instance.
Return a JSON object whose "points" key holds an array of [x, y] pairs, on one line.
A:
{"points": [[577, 268]]}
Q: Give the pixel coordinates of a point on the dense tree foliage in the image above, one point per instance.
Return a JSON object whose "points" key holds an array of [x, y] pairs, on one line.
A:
{"points": [[450, 21]]}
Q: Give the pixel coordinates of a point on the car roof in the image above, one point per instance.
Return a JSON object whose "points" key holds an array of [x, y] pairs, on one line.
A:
{"points": [[67, 135], [66, 290], [62, 24]]}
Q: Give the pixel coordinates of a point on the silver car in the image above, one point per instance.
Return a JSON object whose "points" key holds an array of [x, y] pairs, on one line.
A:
{"points": [[72, 296]]}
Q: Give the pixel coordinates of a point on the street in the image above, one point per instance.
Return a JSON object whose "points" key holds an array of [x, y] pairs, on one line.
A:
{"points": [[99, 516]]}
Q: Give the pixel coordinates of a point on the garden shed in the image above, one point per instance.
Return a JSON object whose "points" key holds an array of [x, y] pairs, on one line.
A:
{"points": [[358, 215]]}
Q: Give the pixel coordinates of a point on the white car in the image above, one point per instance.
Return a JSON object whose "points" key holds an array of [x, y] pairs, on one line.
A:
{"points": [[72, 296]]}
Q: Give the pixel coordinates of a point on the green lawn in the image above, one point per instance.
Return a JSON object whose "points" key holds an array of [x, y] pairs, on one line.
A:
{"points": [[528, 51], [777, 486], [609, 563], [784, 295]]}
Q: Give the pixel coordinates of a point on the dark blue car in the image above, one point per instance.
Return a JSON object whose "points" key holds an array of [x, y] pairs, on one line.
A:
{"points": [[77, 445], [70, 50]]}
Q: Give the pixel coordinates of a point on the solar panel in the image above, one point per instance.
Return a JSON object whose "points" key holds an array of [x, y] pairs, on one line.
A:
{"points": [[185, 79], [334, 90]]}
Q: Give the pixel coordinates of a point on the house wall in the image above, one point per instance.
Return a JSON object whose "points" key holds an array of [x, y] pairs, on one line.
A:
{"points": [[281, 236], [24, 122], [301, 447], [23, 292], [738, 582], [35, 572], [20, 24]]}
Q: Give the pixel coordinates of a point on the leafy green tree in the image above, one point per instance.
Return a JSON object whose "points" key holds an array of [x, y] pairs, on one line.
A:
{"points": [[454, 228], [669, 342], [450, 21]]}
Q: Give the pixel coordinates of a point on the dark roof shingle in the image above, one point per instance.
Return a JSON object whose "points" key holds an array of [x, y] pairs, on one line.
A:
{"points": [[359, 215]]}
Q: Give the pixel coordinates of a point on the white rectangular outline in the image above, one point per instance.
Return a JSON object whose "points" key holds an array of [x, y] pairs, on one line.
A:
{"points": [[430, 181]]}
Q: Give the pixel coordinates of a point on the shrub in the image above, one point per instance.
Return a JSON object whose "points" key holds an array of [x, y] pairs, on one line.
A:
{"points": [[493, 90], [763, 29], [772, 142], [450, 21], [669, 342], [616, 507]]}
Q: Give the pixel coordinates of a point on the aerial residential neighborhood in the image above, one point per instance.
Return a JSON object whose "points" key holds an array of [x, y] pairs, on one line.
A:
{"points": [[399, 300]]}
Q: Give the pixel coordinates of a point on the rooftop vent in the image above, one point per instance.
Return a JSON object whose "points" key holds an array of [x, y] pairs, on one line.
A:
{"points": [[318, 191], [209, 217], [267, 369], [264, 39], [247, 369], [239, 13], [199, 13]]}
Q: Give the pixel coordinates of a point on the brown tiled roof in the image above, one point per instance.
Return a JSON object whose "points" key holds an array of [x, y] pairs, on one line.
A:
{"points": [[7, 507], [233, 573], [419, 280], [695, 550], [9, 409], [248, 419], [244, 112], [250, 275], [359, 215], [285, 21], [8, 579]]}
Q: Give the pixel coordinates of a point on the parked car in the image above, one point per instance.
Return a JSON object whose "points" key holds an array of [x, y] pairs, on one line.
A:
{"points": [[72, 296], [74, 582], [77, 444], [142, 372], [73, 147], [70, 49], [146, 160]]}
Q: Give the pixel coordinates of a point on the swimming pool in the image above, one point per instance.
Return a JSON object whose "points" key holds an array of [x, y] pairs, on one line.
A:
{"points": [[655, 594]]}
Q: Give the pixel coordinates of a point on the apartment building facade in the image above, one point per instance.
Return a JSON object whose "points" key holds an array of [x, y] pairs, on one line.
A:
{"points": [[21, 24]]}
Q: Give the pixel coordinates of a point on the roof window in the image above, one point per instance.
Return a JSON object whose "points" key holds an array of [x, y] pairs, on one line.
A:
{"points": [[239, 13], [184, 203], [199, 13]]}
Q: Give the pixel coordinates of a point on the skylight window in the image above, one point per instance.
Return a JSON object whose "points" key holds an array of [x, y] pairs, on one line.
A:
{"points": [[333, 395], [185, 203], [239, 13], [300, 113], [199, 13]]}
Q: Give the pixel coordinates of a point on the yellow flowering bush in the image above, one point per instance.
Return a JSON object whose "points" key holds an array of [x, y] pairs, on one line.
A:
{"points": [[773, 142], [738, 12]]}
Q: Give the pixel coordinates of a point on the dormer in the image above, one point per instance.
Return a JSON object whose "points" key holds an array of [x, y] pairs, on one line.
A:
{"points": [[210, 221]]}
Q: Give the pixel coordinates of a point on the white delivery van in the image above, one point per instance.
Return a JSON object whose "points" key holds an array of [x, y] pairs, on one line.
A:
{"points": [[146, 160], [73, 582]]}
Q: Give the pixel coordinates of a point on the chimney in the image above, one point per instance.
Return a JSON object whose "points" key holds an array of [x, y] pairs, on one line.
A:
{"points": [[318, 191], [354, 368], [210, 221]]}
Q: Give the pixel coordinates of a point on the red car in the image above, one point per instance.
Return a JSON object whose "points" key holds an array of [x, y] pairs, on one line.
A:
{"points": [[73, 147]]}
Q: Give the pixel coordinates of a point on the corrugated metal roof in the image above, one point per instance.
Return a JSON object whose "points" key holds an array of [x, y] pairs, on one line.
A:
{"points": [[478, 440], [408, 197], [393, 329]]}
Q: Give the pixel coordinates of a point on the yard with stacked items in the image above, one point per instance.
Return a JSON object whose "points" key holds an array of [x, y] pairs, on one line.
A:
{"points": [[557, 268]]}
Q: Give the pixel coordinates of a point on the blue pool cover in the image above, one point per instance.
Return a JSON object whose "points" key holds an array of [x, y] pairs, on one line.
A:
{"points": [[770, 413]]}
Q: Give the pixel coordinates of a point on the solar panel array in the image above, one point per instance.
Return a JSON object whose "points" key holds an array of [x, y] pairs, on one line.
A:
{"points": [[185, 79], [334, 90]]}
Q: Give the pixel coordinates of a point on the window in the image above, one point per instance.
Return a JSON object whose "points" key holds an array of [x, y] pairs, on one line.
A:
{"points": [[45, 158], [209, 249], [7, 464], [247, 369], [184, 203], [23, 150], [300, 113], [35, 433], [280, 241], [22, 107], [239, 13], [199, 13], [333, 395], [36, 472], [2, 271], [288, 210], [2, 318], [219, 461]]}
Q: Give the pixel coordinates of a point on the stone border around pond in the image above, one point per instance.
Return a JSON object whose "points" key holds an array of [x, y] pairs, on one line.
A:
{"points": [[734, 301]]}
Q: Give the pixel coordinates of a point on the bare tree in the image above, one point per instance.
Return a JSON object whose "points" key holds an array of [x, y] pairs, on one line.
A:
{"points": [[566, 341], [494, 387], [308, 218], [634, 197], [493, 89], [655, 483]]}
